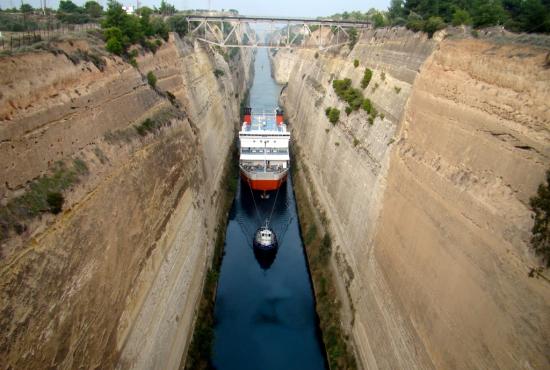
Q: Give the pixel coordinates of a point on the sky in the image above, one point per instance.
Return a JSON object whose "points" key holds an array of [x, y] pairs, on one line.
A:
{"points": [[295, 8]]}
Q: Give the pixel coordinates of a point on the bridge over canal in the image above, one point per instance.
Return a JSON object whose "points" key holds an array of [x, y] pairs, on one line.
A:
{"points": [[234, 31]]}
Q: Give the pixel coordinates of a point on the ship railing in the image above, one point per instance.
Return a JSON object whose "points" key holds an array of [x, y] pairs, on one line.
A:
{"points": [[262, 151], [260, 168]]}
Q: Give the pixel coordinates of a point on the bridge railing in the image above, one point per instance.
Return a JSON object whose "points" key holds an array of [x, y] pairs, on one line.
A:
{"points": [[285, 20]]}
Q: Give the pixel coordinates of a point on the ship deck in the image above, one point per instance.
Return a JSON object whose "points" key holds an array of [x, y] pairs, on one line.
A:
{"points": [[264, 122]]}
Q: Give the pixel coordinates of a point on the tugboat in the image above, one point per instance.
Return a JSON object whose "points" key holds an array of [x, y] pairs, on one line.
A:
{"points": [[264, 157], [265, 239]]}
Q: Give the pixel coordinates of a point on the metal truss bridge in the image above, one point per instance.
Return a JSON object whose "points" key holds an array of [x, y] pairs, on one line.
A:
{"points": [[235, 31]]}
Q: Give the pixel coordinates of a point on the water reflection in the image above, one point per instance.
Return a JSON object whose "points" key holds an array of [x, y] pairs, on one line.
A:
{"points": [[265, 258]]}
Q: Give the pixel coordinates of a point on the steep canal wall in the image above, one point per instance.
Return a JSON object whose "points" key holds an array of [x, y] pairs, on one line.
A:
{"points": [[114, 278], [428, 206]]}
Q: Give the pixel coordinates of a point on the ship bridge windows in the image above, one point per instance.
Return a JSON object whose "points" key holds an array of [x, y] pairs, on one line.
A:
{"points": [[252, 150]]}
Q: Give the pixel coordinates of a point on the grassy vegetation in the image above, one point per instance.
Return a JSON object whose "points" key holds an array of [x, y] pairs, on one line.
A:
{"points": [[218, 73], [318, 245], [43, 195], [151, 125], [199, 354], [146, 127], [540, 204], [82, 55]]}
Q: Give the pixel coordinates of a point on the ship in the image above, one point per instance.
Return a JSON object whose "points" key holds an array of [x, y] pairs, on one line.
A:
{"points": [[264, 150]]}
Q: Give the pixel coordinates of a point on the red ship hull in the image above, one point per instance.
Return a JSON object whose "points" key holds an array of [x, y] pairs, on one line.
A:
{"points": [[264, 185]]}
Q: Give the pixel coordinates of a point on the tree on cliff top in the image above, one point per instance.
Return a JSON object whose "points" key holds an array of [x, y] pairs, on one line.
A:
{"points": [[26, 8], [166, 8], [68, 6], [540, 204], [122, 29], [515, 15], [94, 9]]}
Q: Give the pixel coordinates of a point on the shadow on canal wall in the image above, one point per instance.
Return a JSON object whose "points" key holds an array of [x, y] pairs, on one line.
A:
{"points": [[314, 227]]}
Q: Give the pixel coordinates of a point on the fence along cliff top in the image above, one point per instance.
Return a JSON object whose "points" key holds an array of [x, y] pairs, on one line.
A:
{"points": [[228, 31]]}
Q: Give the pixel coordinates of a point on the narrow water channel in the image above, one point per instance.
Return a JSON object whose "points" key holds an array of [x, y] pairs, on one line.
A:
{"points": [[264, 313]]}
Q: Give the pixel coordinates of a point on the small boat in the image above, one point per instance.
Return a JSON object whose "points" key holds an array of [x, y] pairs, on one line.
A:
{"points": [[265, 239]]}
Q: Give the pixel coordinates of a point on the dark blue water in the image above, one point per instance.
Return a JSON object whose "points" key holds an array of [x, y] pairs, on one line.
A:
{"points": [[265, 314]]}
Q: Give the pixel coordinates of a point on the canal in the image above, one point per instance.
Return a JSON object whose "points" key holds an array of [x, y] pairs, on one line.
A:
{"points": [[265, 311]]}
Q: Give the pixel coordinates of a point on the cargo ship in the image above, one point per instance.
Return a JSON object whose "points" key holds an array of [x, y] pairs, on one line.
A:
{"points": [[264, 156]]}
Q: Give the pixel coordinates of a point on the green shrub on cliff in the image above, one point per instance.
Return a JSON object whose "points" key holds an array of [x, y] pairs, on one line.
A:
{"points": [[151, 79], [460, 17], [55, 201], [341, 86], [367, 76], [540, 204], [146, 126], [347, 93], [434, 24], [356, 63], [114, 46], [367, 105], [334, 116]]}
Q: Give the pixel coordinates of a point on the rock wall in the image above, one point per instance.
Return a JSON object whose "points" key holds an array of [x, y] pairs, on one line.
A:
{"points": [[429, 205], [114, 279]]}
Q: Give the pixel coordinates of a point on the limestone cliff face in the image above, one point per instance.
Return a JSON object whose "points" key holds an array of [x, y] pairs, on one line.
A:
{"points": [[114, 279], [429, 205]]}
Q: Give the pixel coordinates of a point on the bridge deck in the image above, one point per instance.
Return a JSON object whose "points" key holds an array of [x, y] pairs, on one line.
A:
{"points": [[286, 20]]}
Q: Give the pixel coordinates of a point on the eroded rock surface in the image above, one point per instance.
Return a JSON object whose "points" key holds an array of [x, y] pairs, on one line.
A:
{"points": [[429, 205], [114, 279]]}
